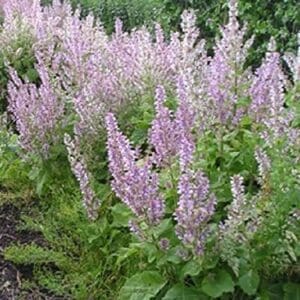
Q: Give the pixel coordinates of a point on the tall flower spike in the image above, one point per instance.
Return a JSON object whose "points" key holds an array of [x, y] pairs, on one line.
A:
{"points": [[236, 210], [264, 164], [238, 192], [192, 66], [293, 62], [184, 119], [136, 186], [90, 201], [227, 80], [120, 153], [195, 208], [162, 133], [232, 233], [267, 93]]}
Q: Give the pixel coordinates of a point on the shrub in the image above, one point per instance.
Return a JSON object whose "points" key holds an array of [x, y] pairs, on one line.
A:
{"points": [[210, 201]]}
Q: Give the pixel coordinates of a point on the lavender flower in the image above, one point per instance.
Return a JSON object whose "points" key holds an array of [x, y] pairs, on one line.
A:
{"points": [[136, 186], [164, 244], [264, 164], [267, 92], [36, 110], [230, 228], [293, 62], [163, 132], [238, 192], [195, 208], [184, 119], [79, 168], [227, 79]]}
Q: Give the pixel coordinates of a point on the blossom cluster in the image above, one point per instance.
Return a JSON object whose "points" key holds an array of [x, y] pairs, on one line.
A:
{"points": [[93, 72], [196, 206], [170, 133], [80, 170], [136, 185], [36, 110]]}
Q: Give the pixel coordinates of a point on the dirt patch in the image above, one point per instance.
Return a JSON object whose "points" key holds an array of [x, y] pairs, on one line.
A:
{"points": [[11, 275]]}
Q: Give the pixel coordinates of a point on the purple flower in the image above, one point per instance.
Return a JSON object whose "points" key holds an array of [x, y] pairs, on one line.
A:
{"points": [[135, 185], [79, 168], [238, 193], [162, 134], [236, 211], [227, 81], [164, 244], [36, 110], [267, 92], [195, 208], [264, 164], [184, 119]]}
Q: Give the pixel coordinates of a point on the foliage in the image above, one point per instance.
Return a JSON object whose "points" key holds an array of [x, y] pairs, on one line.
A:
{"points": [[162, 170], [78, 257]]}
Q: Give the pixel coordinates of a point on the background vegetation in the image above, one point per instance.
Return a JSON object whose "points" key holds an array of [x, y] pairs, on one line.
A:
{"points": [[265, 18]]}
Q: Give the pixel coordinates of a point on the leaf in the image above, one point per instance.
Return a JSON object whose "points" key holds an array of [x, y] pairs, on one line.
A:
{"points": [[163, 227], [291, 291], [249, 282], [173, 256], [40, 184], [151, 251], [216, 284], [125, 253], [271, 292], [142, 286], [121, 215], [181, 292], [191, 268]]}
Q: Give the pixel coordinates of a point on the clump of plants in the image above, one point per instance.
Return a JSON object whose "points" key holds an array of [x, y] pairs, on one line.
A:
{"points": [[187, 164]]}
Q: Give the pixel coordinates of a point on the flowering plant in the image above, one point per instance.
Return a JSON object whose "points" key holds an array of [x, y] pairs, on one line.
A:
{"points": [[205, 174]]}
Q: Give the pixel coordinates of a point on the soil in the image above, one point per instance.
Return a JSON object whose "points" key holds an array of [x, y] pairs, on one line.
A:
{"points": [[11, 275]]}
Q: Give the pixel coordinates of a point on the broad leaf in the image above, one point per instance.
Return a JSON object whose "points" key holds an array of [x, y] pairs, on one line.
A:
{"points": [[216, 284], [121, 215], [249, 282], [181, 292], [191, 268], [142, 286]]}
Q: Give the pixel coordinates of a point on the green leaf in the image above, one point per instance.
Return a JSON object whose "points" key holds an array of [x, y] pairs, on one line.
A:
{"points": [[163, 227], [291, 291], [125, 253], [151, 251], [142, 286], [173, 256], [216, 284], [40, 184], [249, 282], [271, 292], [121, 215], [181, 292], [191, 268]]}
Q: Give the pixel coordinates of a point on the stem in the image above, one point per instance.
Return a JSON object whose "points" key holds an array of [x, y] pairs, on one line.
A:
{"points": [[221, 144]]}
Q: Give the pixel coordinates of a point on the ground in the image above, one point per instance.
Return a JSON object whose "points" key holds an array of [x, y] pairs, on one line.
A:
{"points": [[11, 275]]}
